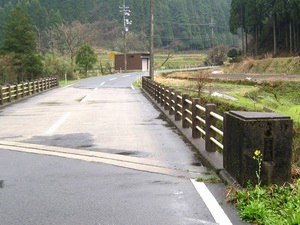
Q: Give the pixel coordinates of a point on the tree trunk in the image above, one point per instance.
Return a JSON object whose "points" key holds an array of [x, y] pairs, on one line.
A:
{"points": [[291, 38], [243, 42], [256, 40], [246, 41], [295, 37], [274, 36]]}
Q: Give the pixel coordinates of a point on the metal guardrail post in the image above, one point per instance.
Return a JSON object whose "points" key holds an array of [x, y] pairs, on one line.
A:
{"points": [[1, 96], [196, 112], [185, 106], [178, 102], [210, 121]]}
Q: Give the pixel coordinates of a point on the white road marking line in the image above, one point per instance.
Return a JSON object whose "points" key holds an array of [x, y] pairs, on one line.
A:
{"points": [[84, 99], [95, 89], [126, 76], [211, 203], [68, 86], [102, 83], [112, 79], [132, 87], [58, 123]]}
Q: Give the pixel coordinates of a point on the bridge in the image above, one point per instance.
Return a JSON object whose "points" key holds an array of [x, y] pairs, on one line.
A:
{"points": [[99, 152]]}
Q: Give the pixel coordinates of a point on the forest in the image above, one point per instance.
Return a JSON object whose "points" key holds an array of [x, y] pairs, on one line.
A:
{"points": [[267, 25], [179, 24], [44, 37]]}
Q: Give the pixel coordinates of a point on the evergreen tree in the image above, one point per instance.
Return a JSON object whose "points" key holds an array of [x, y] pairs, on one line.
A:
{"points": [[20, 40], [86, 58]]}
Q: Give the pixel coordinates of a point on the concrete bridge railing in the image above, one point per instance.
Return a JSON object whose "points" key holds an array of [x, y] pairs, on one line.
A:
{"points": [[203, 120], [228, 143], [10, 93]]}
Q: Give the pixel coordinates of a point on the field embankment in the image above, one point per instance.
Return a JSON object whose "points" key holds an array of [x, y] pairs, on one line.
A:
{"points": [[281, 66]]}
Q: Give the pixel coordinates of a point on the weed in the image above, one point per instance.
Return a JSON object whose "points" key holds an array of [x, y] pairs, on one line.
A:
{"points": [[211, 179], [270, 205], [258, 157]]}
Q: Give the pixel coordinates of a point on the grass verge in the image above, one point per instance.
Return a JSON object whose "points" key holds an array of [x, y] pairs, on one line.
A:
{"points": [[272, 205]]}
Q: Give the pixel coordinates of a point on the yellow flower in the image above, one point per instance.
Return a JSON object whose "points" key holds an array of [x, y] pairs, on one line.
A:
{"points": [[257, 153]]}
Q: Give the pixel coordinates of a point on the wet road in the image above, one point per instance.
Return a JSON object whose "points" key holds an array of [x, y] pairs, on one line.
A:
{"points": [[98, 152]]}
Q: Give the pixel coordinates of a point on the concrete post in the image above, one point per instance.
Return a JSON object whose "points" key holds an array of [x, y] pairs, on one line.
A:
{"points": [[178, 103], [1, 96], [23, 89], [144, 84], [196, 112], [159, 94], [167, 98], [9, 93], [271, 134], [185, 106], [210, 121], [171, 102], [33, 87], [17, 91], [163, 95], [43, 85], [156, 91], [29, 88]]}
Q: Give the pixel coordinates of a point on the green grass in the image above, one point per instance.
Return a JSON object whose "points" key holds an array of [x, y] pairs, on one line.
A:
{"points": [[212, 179], [268, 205], [179, 60], [62, 83], [272, 205]]}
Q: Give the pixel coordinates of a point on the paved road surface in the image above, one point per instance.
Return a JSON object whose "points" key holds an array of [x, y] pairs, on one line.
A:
{"points": [[98, 152]]}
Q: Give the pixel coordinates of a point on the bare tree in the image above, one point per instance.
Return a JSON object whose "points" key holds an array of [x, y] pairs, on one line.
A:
{"points": [[67, 39], [201, 81], [167, 59]]}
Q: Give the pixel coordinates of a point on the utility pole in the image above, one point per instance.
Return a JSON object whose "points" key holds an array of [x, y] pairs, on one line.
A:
{"points": [[126, 13], [152, 39], [212, 25]]}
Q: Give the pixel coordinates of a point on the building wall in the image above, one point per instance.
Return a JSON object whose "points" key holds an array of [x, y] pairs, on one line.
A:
{"points": [[134, 62]]}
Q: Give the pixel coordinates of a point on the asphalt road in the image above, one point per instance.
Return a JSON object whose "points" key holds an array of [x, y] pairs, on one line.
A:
{"points": [[98, 152]]}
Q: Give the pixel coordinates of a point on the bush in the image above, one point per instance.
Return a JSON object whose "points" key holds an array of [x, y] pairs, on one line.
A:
{"points": [[57, 65]]}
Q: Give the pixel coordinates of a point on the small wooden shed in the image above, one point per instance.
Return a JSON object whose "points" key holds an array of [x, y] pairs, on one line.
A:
{"points": [[135, 61]]}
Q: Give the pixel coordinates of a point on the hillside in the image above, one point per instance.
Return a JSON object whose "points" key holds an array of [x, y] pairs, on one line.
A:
{"points": [[179, 24]]}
